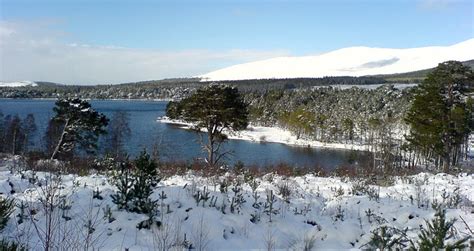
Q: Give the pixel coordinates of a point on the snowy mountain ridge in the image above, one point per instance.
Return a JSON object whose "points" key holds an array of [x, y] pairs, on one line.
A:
{"points": [[352, 61], [18, 84]]}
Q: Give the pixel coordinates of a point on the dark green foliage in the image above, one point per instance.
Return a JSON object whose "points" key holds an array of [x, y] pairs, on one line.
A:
{"points": [[214, 108], [145, 179], [6, 209], [387, 238], [437, 232], [81, 125], [6, 245], [123, 180], [135, 183], [300, 121], [173, 109], [440, 118]]}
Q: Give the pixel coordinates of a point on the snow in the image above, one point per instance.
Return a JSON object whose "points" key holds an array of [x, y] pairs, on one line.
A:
{"points": [[353, 61], [18, 84], [262, 134], [311, 212], [367, 87]]}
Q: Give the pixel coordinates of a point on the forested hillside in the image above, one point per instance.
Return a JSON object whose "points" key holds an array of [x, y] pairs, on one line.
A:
{"points": [[171, 88]]}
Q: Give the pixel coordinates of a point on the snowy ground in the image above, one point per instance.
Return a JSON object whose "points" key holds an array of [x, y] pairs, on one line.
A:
{"points": [[327, 212]]}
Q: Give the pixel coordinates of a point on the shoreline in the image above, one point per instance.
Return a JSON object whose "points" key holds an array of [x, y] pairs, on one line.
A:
{"points": [[262, 134]]}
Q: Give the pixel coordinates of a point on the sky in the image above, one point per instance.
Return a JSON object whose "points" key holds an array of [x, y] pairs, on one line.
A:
{"points": [[108, 42]]}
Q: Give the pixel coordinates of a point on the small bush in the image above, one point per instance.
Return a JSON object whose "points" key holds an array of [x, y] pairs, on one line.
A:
{"points": [[6, 209], [438, 232]]}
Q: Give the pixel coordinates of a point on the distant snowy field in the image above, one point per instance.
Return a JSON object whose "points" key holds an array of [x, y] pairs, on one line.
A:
{"points": [[327, 212], [353, 61], [18, 84]]}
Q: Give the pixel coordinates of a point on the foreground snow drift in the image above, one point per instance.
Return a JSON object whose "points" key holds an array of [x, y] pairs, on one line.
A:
{"points": [[328, 213]]}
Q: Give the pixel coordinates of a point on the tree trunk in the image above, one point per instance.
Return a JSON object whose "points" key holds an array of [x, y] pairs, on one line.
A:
{"points": [[210, 148], [14, 142], [446, 161], [60, 141]]}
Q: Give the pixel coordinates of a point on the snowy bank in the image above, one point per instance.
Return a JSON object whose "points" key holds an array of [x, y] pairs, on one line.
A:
{"points": [[262, 134]]}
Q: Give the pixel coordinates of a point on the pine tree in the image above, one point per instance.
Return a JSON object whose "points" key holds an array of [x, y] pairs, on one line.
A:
{"points": [[81, 125], [146, 178], [123, 179], [6, 209], [214, 108], [439, 116], [437, 232]]}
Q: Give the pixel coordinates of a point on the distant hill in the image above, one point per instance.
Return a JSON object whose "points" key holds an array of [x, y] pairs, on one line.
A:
{"points": [[18, 84], [353, 61]]}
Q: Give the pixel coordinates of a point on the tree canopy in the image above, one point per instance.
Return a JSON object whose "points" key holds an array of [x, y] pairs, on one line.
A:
{"points": [[81, 125]]}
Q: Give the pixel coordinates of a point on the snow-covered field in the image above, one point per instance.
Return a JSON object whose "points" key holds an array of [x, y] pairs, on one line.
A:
{"points": [[18, 84], [322, 212], [353, 61]]}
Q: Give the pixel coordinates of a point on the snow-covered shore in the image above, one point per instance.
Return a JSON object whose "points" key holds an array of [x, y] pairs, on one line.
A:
{"points": [[264, 134], [322, 212]]}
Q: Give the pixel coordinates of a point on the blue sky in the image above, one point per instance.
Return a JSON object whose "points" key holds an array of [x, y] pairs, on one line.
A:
{"points": [[257, 29]]}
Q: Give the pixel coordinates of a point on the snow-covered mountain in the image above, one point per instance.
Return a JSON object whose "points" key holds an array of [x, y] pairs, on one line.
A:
{"points": [[353, 61], [18, 84]]}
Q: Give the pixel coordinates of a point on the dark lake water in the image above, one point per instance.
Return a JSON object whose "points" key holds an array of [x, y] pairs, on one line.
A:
{"points": [[178, 144]]}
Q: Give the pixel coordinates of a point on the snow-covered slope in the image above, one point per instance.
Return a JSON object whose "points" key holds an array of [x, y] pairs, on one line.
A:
{"points": [[353, 61], [18, 84], [322, 213]]}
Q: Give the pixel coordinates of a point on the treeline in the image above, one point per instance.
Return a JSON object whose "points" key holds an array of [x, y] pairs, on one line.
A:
{"points": [[16, 133], [76, 130], [428, 125], [370, 117], [329, 114], [172, 89]]}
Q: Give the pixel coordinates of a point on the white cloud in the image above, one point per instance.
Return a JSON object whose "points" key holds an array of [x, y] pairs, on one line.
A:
{"points": [[32, 52]]}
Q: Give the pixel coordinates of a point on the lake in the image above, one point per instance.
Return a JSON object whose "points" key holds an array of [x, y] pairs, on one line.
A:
{"points": [[179, 144]]}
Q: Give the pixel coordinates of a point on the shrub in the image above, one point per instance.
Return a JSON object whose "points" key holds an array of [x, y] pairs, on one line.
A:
{"points": [[437, 232], [6, 209]]}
